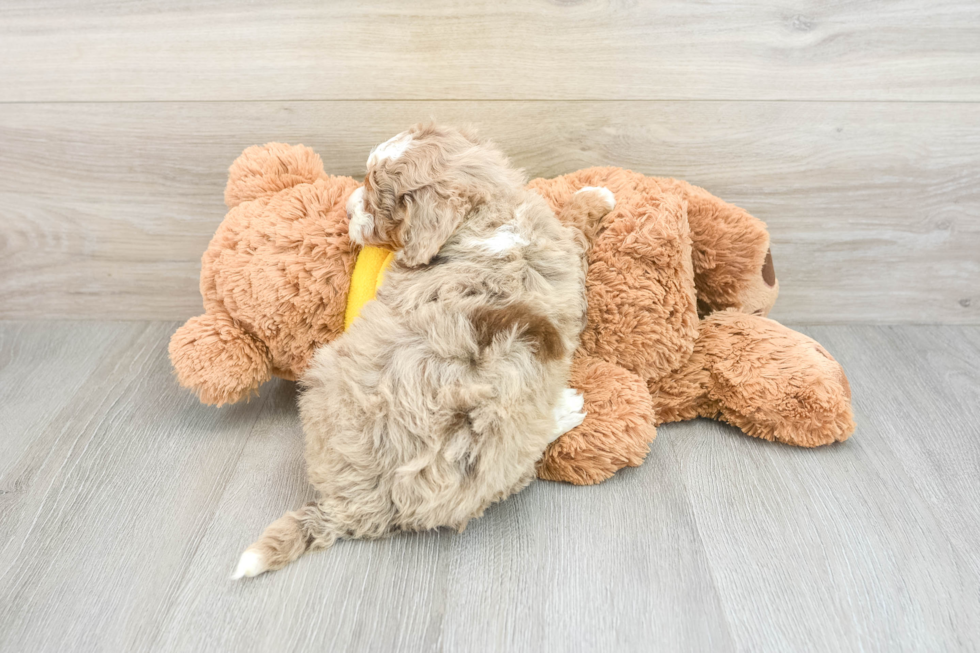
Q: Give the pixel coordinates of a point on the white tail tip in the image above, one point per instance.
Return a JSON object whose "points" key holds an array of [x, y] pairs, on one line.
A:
{"points": [[252, 563]]}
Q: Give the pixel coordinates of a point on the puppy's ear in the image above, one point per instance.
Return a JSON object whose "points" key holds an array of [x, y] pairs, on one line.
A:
{"points": [[429, 222]]}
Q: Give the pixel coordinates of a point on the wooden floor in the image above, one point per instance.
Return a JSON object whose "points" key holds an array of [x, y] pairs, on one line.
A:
{"points": [[124, 505]]}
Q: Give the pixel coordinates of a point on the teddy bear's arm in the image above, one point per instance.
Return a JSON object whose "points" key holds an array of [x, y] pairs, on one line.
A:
{"points": [[617, 430], [264, 170], [768, 380], [220, 361]]}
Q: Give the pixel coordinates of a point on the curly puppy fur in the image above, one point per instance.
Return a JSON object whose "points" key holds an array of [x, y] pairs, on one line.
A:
{"points": [[441, 397]]}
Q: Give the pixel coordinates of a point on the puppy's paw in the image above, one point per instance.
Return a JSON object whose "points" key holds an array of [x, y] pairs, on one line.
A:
{"points": [[360, 222], [573, 399], [605, 195], [568, 413], [252, 563]]}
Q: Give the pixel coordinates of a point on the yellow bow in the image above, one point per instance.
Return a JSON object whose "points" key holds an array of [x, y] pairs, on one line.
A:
{"points": [[369, 272]]}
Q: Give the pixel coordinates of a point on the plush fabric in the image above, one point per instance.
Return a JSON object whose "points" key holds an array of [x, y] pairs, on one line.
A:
{"points": [[679, 284]]}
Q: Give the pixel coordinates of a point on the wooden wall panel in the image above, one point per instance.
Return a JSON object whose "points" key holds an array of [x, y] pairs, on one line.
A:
{"points": [[874, 208], [54, 50]]}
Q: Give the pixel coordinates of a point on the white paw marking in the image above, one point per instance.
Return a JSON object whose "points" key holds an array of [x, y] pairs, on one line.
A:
{"points": [[607, 194], [568, 413], [361, 222], [250, 564], [391, 149]]}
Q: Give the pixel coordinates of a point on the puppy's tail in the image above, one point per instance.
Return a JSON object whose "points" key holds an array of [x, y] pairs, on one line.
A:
{"points": [[285, 540]]}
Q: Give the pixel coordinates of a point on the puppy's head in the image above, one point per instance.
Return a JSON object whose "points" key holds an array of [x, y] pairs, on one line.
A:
{"points": [[421, 184]]}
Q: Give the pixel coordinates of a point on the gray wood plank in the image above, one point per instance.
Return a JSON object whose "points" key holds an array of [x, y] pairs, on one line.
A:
{"points": [[838, 548], [926, 404], [59, 50], [40, 371], [618, 567], [141, 500], [874, 208], [122, 491]]}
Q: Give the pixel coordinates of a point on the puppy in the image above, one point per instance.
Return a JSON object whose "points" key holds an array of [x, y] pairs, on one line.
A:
{"points": [[446, 390]]}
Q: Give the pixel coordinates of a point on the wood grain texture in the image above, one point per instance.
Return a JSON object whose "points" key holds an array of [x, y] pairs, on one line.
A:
{"points": [[927, 380], [41, 371], [874, 208], [122, 484], [56, 50], [134, 502]]}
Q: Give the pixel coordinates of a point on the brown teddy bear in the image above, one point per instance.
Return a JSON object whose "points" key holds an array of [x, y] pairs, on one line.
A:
{"points": [[679, 284]]}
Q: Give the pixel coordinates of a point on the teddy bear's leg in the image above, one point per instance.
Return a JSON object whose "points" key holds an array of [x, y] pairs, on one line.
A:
{"points": [[732, 261], [768, 380], [217, 359], [616, 432], [264, 170]]}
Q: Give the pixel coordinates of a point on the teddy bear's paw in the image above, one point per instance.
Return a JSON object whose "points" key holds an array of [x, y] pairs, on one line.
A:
{"points": [[213, 355], [568, 413], [605, 195]]}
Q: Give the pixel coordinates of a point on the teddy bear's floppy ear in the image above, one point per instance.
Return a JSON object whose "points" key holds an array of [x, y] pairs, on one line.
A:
{"points": [[428, 223]]}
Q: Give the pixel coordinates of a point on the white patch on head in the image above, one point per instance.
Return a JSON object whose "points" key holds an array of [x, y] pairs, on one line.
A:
{"points": [[361, 222], [607, 195], [391, 149], [251, 564], [568, 413]]}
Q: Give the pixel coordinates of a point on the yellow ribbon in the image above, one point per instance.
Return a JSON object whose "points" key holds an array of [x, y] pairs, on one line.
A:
{"points": [[369, 272]]}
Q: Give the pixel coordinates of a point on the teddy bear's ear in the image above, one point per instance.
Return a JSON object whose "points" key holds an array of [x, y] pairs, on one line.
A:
{"points": [[429, 221], [264, 170]]}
